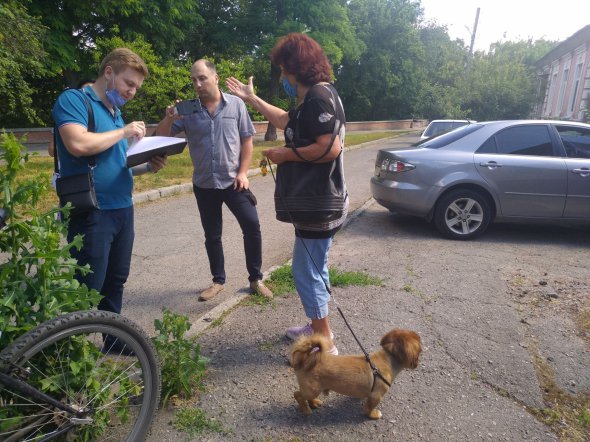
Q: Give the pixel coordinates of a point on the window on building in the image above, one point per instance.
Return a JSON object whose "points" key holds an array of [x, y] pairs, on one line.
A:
{"points": [[552, 87], [566, 73], [576, 85]]}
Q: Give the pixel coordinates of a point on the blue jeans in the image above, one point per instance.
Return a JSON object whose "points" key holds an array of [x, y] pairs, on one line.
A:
{"points": [[310, 272], [108, 243], [243, 206]]}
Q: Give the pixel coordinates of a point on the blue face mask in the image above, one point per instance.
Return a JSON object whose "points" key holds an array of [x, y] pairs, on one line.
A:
{"points": [[289, 88], [114, 97]]}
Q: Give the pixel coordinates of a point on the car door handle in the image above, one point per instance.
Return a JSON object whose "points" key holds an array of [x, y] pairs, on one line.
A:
{"points": [[582, 172], [490, 165]]}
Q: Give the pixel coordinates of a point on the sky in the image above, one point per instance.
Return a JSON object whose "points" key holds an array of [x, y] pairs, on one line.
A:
{"points": [[508, 20]]}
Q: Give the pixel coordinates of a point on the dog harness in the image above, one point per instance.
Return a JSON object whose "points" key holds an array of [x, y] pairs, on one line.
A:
{"points": [[376, 372], [374, 369]]}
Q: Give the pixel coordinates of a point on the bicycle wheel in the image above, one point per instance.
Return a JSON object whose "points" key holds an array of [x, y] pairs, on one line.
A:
{"points": [[114, 387]]}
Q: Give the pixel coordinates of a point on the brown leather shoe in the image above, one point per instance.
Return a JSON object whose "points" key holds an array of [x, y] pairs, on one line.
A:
{"points": [[261, 289], [210, 292]]}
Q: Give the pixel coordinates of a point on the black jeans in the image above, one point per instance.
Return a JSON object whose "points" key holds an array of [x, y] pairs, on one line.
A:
{"points": [[243, 206], [108, 243]]}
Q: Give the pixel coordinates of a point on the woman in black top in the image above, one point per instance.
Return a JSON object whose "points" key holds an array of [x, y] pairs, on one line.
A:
{"points": [[306, 75]]}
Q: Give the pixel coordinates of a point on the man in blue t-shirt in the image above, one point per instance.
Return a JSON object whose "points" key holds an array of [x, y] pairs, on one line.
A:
{"points": [[108, 231]]}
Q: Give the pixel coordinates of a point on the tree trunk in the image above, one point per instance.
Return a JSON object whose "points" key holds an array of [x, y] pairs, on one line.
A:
{"points": [[275, 74]]}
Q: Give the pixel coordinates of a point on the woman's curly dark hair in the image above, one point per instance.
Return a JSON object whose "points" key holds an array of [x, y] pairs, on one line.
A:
{"points": [[303, 57]]}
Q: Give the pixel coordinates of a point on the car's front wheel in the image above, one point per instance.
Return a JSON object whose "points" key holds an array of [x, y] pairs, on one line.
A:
{"points": [[462, 214]]}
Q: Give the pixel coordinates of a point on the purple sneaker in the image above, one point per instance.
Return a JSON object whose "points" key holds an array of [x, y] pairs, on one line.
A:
{"points": [[294, 333]]}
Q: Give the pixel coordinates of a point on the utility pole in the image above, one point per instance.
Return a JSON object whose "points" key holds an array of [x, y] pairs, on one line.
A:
{"points": [[474, 31]]}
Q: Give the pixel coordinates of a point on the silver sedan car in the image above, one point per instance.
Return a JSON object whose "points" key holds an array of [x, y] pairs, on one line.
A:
{"points": [[487, 171]]}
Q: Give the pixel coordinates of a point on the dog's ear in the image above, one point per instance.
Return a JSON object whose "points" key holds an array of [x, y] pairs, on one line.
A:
{"points": [[404, 346]]}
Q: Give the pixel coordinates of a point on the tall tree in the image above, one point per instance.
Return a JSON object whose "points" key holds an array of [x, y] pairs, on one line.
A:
{"points": [[443, 63], [386, 80], [21, 60], [260, 22], [501, 84], [75, 27]]}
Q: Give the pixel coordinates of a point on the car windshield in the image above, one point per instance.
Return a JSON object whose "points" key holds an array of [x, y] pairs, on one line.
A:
{"points": [[449, 137]]}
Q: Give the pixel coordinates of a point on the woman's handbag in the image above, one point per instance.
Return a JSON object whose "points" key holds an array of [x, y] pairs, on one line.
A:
{"points": [[78, 190], [311, 192]]}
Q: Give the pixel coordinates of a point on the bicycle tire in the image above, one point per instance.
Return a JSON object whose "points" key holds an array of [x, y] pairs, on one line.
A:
{"points": [[117, 390]]}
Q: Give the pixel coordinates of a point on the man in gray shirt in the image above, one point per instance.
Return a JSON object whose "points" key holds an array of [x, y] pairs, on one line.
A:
{"points": [[220, 143]]}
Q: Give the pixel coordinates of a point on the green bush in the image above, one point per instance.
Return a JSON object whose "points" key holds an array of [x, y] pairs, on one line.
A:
{"points": [[36, 269], [182, 365]]}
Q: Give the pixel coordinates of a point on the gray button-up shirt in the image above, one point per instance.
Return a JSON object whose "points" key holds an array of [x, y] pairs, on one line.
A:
{"points": [[214, 141]]}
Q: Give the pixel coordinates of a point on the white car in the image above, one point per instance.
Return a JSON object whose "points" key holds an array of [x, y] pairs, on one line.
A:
{"points": [[437, 127]]}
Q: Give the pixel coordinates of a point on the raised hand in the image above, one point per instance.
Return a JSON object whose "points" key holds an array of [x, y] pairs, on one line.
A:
{"points": [[236, 87]]}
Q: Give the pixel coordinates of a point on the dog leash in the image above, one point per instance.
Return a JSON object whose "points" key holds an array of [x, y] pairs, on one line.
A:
{"points": [[374, 369]]}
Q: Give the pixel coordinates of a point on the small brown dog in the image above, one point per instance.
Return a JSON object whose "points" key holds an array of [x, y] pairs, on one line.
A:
{"points": [[318, 371]]}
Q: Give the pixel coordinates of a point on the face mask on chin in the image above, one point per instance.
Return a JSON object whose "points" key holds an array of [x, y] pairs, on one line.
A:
{"points": [[114, 97], [289, 88]]}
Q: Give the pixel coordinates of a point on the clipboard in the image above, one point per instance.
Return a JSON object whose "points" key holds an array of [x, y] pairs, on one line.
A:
{"points": [[148, 147]]}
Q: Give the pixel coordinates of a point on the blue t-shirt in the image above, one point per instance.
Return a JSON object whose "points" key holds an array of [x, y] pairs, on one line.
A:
{"points": [[112, 177]]}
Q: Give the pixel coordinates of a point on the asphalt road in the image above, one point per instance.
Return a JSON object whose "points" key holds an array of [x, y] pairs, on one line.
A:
{"points": [[497, 318]]}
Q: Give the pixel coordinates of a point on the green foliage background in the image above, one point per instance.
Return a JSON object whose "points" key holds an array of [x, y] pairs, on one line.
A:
{"points": [[388, 62]]}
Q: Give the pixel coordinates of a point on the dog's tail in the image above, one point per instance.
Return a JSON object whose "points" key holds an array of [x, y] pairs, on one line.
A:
{"points": [[307, 351]]}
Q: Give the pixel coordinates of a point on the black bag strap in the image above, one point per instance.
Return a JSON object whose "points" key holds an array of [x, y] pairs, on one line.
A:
{"points": [[337, 126], [91, 128]]}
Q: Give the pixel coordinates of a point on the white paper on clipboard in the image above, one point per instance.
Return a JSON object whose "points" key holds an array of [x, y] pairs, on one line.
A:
{"points": [[141, 151]]}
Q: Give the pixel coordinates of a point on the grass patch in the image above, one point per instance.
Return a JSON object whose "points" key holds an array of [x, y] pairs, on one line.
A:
{"points": [[583, 322], [257, 300], [411, 272], [355, 138], [339, 278], [409, 288], [281, 280], [195, 421], [519, 280], [265, 346], [584, 418]]}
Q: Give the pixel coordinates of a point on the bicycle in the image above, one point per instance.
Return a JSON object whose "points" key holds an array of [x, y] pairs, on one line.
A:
{"points": [[90, 375]]}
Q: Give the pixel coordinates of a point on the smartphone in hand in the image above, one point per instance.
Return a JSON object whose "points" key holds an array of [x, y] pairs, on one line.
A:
{"points": [[188, 107]]}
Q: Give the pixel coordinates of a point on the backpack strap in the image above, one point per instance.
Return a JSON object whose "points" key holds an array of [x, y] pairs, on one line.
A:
{"points": [[91, 128]]}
